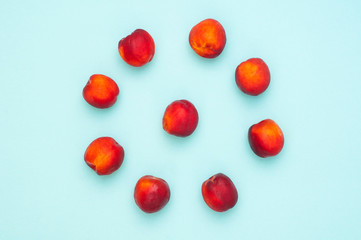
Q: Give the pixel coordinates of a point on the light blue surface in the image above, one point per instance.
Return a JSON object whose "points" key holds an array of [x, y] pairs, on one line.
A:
{"points": [[311, 190]]}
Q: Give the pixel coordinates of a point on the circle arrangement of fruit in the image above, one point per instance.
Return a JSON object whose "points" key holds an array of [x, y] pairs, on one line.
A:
{"points": [[207, 38]]}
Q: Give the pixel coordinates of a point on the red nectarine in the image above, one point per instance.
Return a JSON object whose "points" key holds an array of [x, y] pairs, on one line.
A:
{"points": [[208, 38], [266, 138], [151, 194], [253, 76], [180, 118], [104, 155], [137, 49], [219, 193], [100, 91]]}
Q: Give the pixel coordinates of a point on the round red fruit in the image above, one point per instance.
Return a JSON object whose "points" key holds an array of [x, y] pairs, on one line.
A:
{"points": [[104, 155], [208, 38], [151, 194], [253, 76], [137, 49], [266, 138], [100, 91], [219, 193], [180, 118]]}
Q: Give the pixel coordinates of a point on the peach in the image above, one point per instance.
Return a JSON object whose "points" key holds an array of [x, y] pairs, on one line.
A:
{"points": [[266, 138], [253, 76], [208, 38], [100, 91], [219, 193], [137, 49], [151, 194], [104, 155], [180, 118]]}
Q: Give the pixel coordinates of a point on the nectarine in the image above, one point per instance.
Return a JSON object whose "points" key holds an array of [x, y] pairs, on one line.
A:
{"points": [[219, 193], [266, 138], [180, 118], [208, 38], [137, 49], [151, 194], [104, 155], [100, 91], [253, 76]]}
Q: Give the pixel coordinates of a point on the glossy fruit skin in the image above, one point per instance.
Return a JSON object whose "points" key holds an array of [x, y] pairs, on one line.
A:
{"points": [[180, 118], [208, 38], [266, 138], [104, 155], [151, 194], [219, 193], [100, 91], [253, 76], [137, 49]]}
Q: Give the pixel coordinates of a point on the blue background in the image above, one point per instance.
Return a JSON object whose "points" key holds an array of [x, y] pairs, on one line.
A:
{"points": [[311, 190]]}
